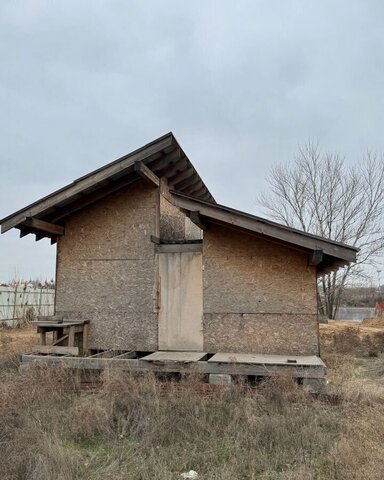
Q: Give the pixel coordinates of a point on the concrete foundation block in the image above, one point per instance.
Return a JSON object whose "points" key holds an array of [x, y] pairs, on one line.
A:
{"points": [[315, 385], [220, 379], [24, 367]]}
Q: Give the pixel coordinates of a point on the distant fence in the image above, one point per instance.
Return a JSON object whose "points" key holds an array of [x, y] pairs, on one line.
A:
{"points": [[21, 302], [355, 314]]}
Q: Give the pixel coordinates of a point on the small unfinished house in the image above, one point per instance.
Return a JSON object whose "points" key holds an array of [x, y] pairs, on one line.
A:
{"points": [[153, 274]]}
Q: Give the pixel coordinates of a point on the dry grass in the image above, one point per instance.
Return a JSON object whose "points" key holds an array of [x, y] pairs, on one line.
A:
{"points": [[360, 340], [134, 428], [373, 322], [14, 341], [137, 427]]}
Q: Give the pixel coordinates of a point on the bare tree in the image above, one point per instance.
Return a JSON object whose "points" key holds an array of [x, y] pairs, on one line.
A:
{"points": [[320, 194]]}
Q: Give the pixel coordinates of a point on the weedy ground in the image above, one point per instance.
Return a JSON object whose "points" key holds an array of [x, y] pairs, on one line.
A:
{"points": [[142, 428]]}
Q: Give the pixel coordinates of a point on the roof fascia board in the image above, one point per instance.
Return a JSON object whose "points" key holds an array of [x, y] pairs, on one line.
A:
{"points": [[266, 229]]}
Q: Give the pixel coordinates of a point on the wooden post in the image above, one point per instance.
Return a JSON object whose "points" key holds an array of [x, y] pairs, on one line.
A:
{"points": [[43, 337], [40, 299], [14, 306], [71, 338], [85, 339]]}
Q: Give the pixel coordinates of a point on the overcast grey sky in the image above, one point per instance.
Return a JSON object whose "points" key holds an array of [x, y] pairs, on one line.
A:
{"points": [[240, 83]]}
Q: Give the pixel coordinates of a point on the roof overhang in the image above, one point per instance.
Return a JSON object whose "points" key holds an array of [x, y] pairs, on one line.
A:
{"points": [[161, 158], [164, 159], [327, 255]]}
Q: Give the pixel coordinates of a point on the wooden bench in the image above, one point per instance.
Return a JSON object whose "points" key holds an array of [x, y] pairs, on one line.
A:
{"points": [[64, 335]]}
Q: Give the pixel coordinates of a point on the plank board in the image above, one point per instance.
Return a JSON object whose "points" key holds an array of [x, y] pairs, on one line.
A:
{"points": [[174, 357], [56, 324], [260, 359], [52, 349], [204, 367]]}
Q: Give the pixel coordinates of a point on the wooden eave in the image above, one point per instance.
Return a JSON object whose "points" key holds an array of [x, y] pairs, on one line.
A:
{"points": [[327, 255], [162, 157]]}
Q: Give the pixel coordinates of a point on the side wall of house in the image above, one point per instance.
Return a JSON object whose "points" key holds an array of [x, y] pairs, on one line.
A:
{"points": [[258, 296], [107, 269]]}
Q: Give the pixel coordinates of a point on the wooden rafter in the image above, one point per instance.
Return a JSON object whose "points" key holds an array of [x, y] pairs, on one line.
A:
{"points": [[315, 258], [87, 200], [165, 161], [188, 184], [146, 174], [79, 186], [43, 226], [174, 181], [169, 172]]}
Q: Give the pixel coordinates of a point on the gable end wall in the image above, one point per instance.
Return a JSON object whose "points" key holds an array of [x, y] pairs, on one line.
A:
{"points": [[107, 269]]}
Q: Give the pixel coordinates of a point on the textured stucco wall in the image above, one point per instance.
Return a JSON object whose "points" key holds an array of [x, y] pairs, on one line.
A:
{"points": [[175, 225], [258, 296], [107, 269]]}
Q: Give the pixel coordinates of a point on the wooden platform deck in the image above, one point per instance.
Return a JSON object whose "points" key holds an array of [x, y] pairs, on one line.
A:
{"points": [[178, 362]]}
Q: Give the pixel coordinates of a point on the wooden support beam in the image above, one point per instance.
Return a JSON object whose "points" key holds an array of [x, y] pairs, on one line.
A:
{"points": [[46, 227], [85, 339], [71, 336], [52, 349], [315, 258], [131, 354], [196, 219], [104, 354], [179, 247], [146, 174], [59, 340]]}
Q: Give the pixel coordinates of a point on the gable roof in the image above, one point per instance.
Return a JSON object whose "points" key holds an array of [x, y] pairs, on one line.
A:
{"points": [[327, 254], [163, 156]]}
